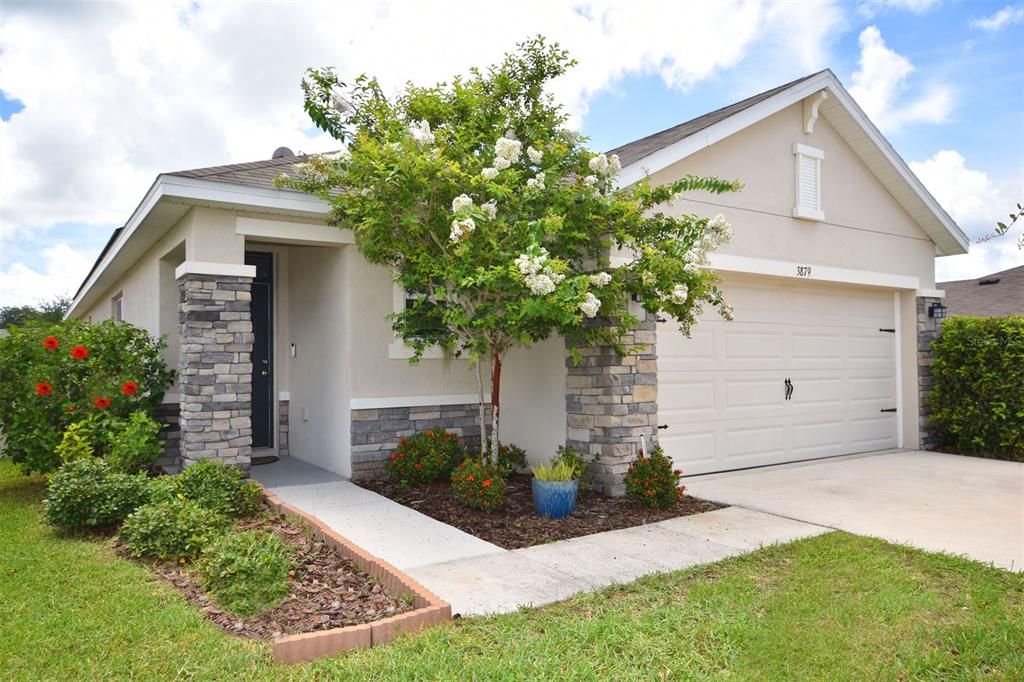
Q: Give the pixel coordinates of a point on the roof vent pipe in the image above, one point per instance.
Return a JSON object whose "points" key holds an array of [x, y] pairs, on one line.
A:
{"points": [[282, 152]]}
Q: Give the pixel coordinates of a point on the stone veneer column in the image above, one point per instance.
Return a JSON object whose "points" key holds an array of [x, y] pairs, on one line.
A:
{"points": [[610, 402], [215, 369], [928, 329]]}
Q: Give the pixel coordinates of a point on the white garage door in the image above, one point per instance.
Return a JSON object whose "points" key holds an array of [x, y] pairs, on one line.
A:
{"points": [[722, 392]]}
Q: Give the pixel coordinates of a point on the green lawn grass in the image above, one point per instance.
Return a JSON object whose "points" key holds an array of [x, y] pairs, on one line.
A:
{"points": [[836, 607]]}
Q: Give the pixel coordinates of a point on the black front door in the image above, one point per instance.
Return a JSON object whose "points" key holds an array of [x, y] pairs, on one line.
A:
{"points": [[262, 349]]}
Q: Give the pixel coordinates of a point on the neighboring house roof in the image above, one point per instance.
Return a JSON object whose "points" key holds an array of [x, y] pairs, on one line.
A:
{"points": [[995, 295], [251, 185]]}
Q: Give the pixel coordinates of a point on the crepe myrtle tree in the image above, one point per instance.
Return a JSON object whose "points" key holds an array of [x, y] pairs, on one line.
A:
{"points": [[497, 219]]}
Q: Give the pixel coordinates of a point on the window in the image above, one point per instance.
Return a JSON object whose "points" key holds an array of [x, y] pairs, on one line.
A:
{"points": [[808, 182], [117, 308], [425, 315]]}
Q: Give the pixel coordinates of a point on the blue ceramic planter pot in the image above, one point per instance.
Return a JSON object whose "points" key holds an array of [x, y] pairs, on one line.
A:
{"points": [[555, 499]]}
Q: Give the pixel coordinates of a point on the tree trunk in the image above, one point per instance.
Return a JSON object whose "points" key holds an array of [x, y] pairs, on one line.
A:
{"points": [[483, 407], [495, 405]]}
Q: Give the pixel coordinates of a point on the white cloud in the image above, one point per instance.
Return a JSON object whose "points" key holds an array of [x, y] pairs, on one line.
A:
{"points": [[871, 8], [975, 202], [1007, 16], [115, 93], [63, 270], [881, 81], [982, 259]]}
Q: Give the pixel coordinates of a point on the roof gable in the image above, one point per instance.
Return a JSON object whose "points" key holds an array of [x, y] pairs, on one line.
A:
{"points": [[653, 153]]}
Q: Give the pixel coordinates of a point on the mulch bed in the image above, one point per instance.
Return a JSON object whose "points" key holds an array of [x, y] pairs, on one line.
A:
{"points": [[327, 590], [516, 523]]}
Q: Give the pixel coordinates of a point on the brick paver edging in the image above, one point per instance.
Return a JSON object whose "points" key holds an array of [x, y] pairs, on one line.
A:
{"points": [[429, 609]]}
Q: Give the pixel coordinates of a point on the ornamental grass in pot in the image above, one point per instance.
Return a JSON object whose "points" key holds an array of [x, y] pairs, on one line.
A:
{"points": [[555, 487]]}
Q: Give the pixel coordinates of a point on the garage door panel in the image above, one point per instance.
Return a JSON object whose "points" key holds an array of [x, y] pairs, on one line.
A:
{"points": [[722, 393]]}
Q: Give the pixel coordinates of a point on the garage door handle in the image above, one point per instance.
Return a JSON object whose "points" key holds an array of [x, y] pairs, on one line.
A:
{"points": [[789, 388], [662, 426]]}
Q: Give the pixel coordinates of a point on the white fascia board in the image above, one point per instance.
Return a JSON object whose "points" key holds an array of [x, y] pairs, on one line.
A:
{"points": [[197, 267], [723, 262], [288, 232], [931, 293], [412, 401], [191, 189], [665, 157]]}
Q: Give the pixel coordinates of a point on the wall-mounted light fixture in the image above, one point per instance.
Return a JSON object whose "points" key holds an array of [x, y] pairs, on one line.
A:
{"points": [[937, 311]]}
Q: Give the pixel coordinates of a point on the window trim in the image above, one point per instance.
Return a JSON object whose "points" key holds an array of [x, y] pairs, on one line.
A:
{"points": [[800, 210], [397, 350], [117, 307]]}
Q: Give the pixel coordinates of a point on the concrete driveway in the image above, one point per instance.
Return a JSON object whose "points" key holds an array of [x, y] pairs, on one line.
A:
{"points": [[934, 501]]}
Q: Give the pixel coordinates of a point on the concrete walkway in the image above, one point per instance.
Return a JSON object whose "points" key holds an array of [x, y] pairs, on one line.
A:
{"points": [[938, 502], [477, 577]]}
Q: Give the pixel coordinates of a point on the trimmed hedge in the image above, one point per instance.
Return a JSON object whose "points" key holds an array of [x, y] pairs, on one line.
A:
{"points": [[977, 396]]}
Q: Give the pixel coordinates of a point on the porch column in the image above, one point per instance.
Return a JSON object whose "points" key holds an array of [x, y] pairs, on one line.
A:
{"points": [[215, 367], [928, 329], [610, 402]]}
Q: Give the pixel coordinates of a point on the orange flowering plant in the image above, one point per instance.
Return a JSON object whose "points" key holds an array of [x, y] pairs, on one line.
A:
{"points": [[424, 457], [55, 375], [478, 485], [653, 482]]}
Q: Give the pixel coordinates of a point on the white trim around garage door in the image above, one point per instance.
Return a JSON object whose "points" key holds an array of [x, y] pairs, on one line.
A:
{"points": [[412, 401]]}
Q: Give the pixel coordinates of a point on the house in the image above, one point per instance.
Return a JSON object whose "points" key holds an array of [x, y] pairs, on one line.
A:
{"points": [[995, 295], [279, 325]]}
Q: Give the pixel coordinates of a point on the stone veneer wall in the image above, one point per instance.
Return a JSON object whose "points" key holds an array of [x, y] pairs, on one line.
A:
{"points": [[612, 401], [928, 329], [215, 369], [170, 435], [376, 432], [282, 428]]}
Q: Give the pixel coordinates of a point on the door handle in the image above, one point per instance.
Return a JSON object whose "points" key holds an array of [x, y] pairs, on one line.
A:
{"points": [[788, 388], [792, 388]]}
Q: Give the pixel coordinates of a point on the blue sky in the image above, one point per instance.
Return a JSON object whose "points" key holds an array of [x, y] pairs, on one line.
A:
{"points": [[152, 87]]}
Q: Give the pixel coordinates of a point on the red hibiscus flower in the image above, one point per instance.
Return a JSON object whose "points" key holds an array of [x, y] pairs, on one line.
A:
{"points": [[79, 352], [470, 478], [101, 403], [486, 483], [51, 343], [44, 388], [129, 388]]}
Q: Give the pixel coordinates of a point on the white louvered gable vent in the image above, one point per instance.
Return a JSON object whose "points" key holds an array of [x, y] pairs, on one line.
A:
{"points": [[808, 182]]}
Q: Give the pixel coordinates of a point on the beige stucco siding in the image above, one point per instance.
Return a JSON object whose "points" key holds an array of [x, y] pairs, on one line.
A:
{"points": [[864, 227]]}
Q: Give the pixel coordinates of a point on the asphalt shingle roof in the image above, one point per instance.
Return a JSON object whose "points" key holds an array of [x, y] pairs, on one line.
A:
{"points": [[996, 299], [253, 173]]}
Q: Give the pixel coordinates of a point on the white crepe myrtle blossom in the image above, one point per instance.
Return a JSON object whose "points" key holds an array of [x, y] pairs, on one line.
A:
{"points": [[720, 229], [727, 312], [679, 294], [342, 154], [501, 163], [531, 265], [309, 172], [461, 229], [506, 148], [590, 305], [460, 202], [590, 180], [535, 154], [540, 284], [536, 182], [600, 279], [489, 173], [490, 208], [421, 134]]}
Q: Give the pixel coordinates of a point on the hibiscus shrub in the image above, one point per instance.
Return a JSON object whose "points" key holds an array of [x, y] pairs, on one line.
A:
{"points": [[425, 457], [478, 485], [87, 494], [129, 444], [55, 375], [653, 482]]}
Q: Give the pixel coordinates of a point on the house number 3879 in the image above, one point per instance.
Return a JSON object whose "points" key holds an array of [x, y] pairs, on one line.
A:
{"points": [[803, 271]]}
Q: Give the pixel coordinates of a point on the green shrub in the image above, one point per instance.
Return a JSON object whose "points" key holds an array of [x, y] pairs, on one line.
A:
{"points": [[425, 457], [55, 375], [511, 458], [176, 529], [977, 395], [247, 572], [76, 443], [85, 493], [653, 482], [478, 485], [132, 443], [219, 487]]}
